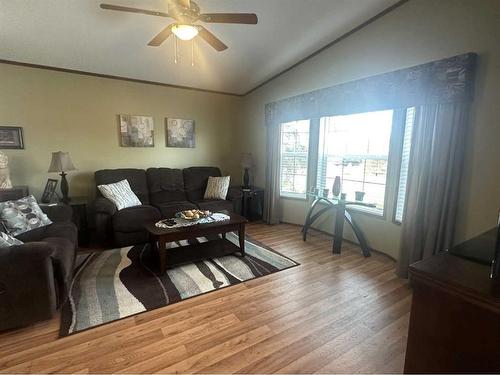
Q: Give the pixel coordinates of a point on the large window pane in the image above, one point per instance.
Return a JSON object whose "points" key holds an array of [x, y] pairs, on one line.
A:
{"points": [[294, 158], [356, 148]]}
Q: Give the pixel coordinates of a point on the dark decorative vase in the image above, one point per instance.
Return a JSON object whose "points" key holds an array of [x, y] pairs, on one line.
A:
{"points": [[336, 187], [246, 179]]}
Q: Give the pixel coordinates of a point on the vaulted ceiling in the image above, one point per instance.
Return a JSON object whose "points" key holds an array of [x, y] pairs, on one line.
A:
{"points": [[78, 35]]}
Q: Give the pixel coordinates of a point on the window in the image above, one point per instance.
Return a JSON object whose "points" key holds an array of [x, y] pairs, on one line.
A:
{"points": [[294, 158], [356, 148], [405, 160]]}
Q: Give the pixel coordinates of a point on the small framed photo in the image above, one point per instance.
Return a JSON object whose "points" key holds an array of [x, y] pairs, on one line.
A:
{"points": [[11, 137], [136, 131], [180, 133], [50, 189]]}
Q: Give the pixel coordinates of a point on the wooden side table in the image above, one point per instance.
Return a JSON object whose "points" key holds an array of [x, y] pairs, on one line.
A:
{"points": [[79, 206], [252, 205], [79, 217]]}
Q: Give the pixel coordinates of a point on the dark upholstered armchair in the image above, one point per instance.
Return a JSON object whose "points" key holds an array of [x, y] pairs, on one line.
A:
{"points": [[162, 192], [35, 277]]}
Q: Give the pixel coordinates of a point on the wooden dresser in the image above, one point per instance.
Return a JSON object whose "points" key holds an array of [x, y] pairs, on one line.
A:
{"points": [[455, 316]]}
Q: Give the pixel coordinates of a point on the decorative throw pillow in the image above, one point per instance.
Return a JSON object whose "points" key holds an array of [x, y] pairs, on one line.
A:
{"points": [[120, 194], [6, 240], [22, 215], [217, 187]]}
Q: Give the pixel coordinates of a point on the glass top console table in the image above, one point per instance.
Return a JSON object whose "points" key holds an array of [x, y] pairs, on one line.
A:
{"points": [[320, 205]]}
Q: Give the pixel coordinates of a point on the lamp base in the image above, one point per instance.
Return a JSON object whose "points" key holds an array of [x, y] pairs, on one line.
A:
{"points": [[64, 189], [246, 179]]}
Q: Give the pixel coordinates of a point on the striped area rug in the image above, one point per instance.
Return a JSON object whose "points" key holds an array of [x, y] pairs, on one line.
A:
{"points": [[114, 284]]}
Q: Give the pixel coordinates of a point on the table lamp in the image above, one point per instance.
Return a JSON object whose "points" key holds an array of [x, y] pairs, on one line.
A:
{"points": [[61, 162], [246, 164]]}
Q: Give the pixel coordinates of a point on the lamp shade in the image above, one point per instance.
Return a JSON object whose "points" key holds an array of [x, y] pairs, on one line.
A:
{"points": [[61, 162], [246, 160]]}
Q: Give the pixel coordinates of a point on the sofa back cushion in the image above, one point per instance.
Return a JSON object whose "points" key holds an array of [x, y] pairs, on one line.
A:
{"points": [[165, 185], [195, 181], [135, 177]]}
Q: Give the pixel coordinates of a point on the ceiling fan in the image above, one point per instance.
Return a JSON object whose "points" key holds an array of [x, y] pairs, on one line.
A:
{"points": [[186, 13]]}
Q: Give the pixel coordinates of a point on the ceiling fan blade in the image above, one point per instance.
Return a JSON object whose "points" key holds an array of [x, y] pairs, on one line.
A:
{"points": [[185, 3], [133, 10], [211, 39], [161, 36], [247, 18]]}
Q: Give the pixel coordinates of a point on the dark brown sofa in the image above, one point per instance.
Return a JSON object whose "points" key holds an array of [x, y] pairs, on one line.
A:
{"points": [[35, 277], [162, 192]]}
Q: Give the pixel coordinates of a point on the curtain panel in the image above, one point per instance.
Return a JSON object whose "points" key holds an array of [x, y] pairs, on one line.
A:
{"points": [[433, 186]]}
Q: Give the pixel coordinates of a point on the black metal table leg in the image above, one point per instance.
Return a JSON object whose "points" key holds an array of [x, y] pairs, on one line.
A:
{"points": [[310, 219], [359, 234], [339, 228]]}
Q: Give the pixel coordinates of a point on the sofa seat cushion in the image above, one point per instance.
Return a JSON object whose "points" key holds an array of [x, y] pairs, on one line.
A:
{"points": [[132, 219], [169, 209], [215, 205]]}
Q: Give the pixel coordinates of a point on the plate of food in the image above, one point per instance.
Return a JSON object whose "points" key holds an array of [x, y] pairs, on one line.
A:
{"points": [[193, 215]]}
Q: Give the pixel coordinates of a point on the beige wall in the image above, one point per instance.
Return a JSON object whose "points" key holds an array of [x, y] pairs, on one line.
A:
{"points": [[417, 32], [78, 114]]}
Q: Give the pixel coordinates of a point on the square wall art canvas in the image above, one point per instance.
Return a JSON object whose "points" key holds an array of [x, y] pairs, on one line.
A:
{"points": [[136, 131], [180, 133]]}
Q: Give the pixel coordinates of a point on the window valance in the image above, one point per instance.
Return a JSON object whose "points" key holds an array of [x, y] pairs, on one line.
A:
{"points": [[443, 81]]}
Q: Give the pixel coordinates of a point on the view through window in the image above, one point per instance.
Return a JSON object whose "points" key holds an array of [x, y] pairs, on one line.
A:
{"points": [[294, 158], [355, 148]]}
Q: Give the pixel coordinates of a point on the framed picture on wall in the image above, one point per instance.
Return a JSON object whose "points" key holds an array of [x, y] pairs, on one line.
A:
{"points": [[136, 131], [11, 137], [179, 133], [50, 189]]}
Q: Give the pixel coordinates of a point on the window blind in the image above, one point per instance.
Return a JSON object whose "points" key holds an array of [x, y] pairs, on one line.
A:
{"points": [[405, 161]]}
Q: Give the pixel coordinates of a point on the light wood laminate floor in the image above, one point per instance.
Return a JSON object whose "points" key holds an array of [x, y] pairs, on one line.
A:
{"points": [[331, 314]]}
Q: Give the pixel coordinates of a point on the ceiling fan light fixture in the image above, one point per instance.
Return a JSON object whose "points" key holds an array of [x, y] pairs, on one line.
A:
{"points": [[185, 32]]}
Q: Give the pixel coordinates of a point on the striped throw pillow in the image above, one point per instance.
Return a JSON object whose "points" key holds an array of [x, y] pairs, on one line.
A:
{"points": [[120, 194], [6, 240], [217, 187]]}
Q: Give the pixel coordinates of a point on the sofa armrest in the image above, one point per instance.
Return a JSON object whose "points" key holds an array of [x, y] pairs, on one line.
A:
{"points": [[103, 210], [234, 194], [59, 213], [104, 206], [27, 288]]}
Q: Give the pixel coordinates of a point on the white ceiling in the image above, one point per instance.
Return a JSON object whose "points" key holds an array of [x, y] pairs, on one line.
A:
{"points": [[77, 34]]}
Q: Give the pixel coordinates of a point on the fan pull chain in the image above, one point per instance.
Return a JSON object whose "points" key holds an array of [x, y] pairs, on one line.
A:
{"points": [[192, 52], [175, 49]]}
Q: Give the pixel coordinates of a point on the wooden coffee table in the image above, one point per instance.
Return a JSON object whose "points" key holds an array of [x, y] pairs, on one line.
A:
{"points": [[160, 237]]}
